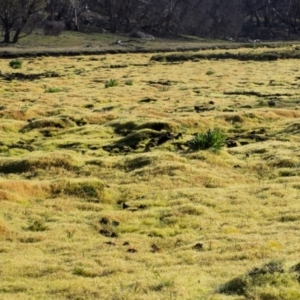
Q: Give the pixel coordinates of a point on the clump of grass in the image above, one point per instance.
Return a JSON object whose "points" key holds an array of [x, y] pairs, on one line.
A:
{"points": [[210, 72], [37, 225], [111, 83], [82, 188], [16, 63], [211, 139], [84, 273], [53, 90], [129, 82], [162, 284], [45, 162], [270, 281]]}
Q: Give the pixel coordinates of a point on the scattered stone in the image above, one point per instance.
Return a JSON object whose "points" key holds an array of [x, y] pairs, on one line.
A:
{"points": [[126, 243], [155, 248], [198, 246], [115, 223], [142, 35], [228, 110], [105, 232], [104, 221], [199, 108], [178, 136], [231, 143], [147, 100], [161, 82], [132, 250], [124, 205], [114, 235], [271, 103], [108, 233], [110, 243], [142, 206]]}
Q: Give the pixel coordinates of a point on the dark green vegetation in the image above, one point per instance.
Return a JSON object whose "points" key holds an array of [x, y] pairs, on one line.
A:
{"points": [[211, 139], [271, 281], [265, 55], [15, 64]]}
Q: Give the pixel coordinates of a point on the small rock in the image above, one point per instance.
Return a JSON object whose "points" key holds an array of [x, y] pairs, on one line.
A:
{"points": [[115, 223], [105, 232], [271, 103], [142, 206], [124, 205], [132, 250], [155, 248], [198, 246], [231, 143], [104, 221], [108, 233], [110, 243]]}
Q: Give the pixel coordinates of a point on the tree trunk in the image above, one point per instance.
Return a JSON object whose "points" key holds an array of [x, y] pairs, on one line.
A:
{"points": [[257, 20], [6, 36], [16, 35]]}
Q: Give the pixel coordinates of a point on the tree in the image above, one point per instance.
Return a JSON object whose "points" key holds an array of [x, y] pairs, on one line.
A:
{"points": [[15, 15], [68, 11]]}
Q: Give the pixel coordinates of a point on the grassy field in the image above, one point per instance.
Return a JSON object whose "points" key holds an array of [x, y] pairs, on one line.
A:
{"points": [[96, 202]]}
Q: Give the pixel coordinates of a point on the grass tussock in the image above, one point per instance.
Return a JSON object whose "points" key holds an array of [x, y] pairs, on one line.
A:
{"points": [[271, 281], [12, 190], [89, 188], [58, 123], [47, 163], [134, 139]]}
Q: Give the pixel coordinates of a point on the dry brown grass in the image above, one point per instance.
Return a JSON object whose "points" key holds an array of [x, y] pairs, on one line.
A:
{"points": [[87, 213]]}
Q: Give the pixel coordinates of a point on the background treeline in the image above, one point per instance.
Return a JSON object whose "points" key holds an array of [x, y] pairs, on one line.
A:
{"points": [[253, 19]]}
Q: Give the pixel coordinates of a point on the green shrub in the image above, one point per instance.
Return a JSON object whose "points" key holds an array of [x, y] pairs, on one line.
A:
{"points": [[211, 139], [16, 63], [111, 83], [210, 72]]}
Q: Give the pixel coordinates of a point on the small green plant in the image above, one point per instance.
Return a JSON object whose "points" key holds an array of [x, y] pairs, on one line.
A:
{"points": [[111, 83], [53, 90], [16, 63], [129, 82], [37, 225], [210, 72], [83, 273], [211, 139]]}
